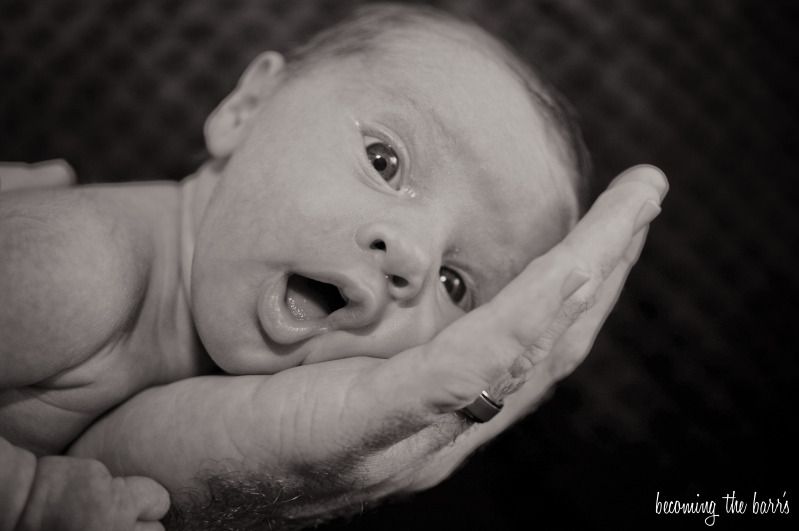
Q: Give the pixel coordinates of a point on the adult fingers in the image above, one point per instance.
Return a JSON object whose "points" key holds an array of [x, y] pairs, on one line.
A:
{"points": [[581, 264], [493, 346], [603, 235], [568, 353], [49, 173], [149, 498], [575, 343]]}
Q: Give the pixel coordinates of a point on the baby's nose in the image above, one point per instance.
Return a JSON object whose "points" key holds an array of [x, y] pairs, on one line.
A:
{"points": [[402, 259]]}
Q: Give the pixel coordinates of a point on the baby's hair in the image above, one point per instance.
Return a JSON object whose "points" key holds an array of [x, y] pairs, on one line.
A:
{"points": [[366, 29]]}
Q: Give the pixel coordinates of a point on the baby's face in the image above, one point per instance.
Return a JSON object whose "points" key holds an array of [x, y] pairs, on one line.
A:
{"points": [[369, 204]]}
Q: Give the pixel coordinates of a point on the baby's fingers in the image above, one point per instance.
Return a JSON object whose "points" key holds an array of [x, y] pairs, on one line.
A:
{"points": [[150, 500]]}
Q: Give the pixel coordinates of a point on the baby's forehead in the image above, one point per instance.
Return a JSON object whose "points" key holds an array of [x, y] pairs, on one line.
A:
{"points": [[469, 106], [436, 37], [422, 50], [427, 55]]}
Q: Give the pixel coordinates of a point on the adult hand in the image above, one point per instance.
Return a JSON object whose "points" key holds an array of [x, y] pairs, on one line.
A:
{"points": [[49, 173], [316, 440]]}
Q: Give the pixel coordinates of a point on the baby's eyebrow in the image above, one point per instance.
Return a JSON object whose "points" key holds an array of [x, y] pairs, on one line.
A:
{"points": [[430, 114]]}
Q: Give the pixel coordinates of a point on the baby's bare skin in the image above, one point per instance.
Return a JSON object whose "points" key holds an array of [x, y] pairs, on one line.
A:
{"points": [[93, 306]]}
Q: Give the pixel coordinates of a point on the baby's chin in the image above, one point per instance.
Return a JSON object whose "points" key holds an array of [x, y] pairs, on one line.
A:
{"points": [[261, 355], [257, 355]]}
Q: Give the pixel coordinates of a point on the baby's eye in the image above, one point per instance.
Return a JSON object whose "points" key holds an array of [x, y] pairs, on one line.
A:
{"points": [[384, 160], [453, 283]]}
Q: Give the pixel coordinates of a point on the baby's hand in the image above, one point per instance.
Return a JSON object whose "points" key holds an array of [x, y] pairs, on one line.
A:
{"points": [[80, 494]]}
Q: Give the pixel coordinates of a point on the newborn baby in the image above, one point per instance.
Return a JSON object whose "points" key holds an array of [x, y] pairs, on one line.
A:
{"points": [[363, 193]]}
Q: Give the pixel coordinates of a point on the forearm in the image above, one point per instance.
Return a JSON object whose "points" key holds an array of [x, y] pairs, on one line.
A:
{"points": [[17, 473], [240, 437], [225, 447], [272, 448], [171, 433]]}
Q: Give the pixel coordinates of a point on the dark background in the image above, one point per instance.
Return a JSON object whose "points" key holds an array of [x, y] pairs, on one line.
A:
{"points": [[691, 387]]}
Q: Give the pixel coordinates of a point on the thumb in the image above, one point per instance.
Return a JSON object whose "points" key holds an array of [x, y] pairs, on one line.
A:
{"points": [[150, 500]]}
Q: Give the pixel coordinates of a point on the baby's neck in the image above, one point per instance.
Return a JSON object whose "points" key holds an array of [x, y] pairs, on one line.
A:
{"points": [[195, 192]]}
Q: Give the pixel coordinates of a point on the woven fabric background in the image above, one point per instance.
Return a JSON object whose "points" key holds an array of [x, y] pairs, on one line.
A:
{"points": [[691, 387]]}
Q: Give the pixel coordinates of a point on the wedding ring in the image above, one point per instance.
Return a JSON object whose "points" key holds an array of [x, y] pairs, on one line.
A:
{"points": [[483, 409]]}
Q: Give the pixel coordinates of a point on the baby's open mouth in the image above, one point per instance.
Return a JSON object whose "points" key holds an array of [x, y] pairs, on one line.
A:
{"points": [[295, 307], [309, 299]]}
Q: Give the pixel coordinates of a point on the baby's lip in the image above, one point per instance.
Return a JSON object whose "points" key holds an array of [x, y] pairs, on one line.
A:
{"points": [[286, 327]]}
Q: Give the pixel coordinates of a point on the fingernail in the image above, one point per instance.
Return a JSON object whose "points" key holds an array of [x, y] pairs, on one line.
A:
{"points": [[648, 212], [664, 183], [573, 282]]}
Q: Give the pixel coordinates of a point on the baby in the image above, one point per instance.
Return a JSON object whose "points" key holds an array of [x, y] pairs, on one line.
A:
{"points": [[362, 194]]}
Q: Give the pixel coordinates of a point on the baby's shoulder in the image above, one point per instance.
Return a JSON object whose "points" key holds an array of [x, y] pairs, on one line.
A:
{"points": [[73, 271]]}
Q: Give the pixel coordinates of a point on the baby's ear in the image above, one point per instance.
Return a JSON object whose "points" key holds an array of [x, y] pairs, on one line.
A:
{"points": [[228, 123]]}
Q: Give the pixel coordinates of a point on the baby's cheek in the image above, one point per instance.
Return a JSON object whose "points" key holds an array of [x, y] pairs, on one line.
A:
{"points": [[223, 310], [412, 327]]}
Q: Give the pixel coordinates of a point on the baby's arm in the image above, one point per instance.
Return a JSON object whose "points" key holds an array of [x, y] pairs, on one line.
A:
{"points": [[307, 442], [58, 308], [70, 277]]}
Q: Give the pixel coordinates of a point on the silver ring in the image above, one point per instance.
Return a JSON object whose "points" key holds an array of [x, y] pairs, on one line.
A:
{"points": [[483, 409]]}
